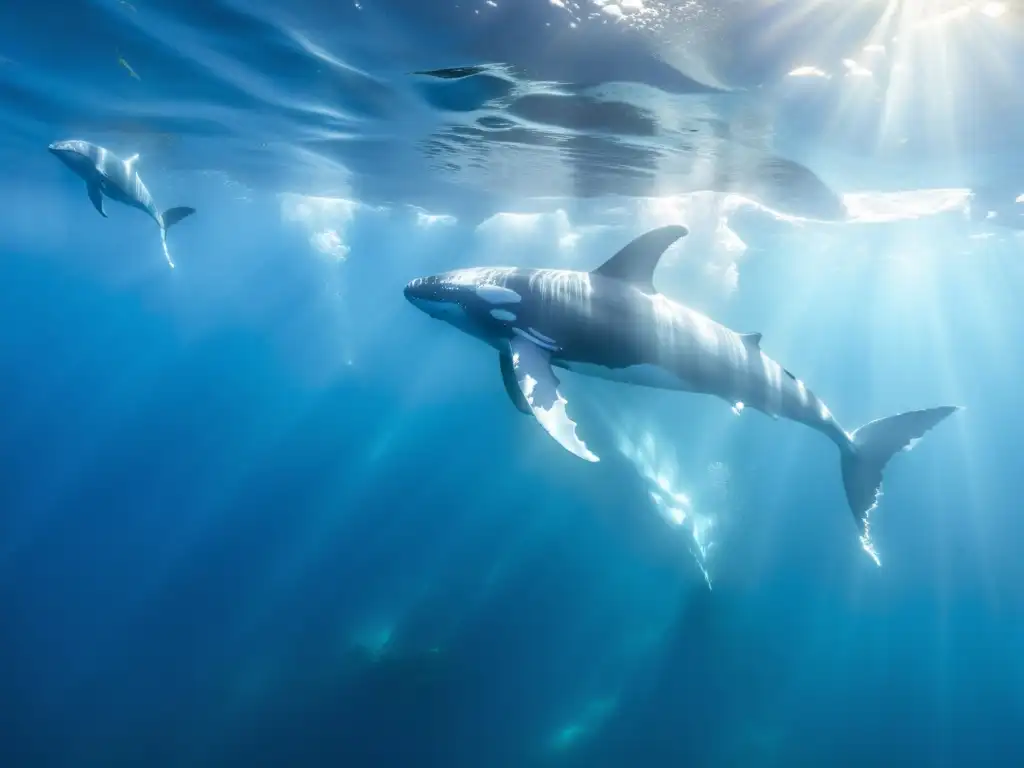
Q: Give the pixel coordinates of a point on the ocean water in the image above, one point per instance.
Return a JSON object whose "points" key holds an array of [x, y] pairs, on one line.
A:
{"points": [[260, 511]]}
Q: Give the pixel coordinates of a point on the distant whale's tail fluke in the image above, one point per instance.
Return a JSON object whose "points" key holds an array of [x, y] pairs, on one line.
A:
{"points": [[170, 217], [868, 452], [173, 215]]}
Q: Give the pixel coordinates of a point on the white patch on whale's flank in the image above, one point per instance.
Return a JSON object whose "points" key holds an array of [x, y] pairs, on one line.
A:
{"points": [[538, 336], [738, 408], [497, 294], [535, 338], [644, 375], [501, 314]]}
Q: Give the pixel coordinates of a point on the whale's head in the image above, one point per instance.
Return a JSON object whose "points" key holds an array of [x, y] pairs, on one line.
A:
{"points": [[74, 153], [472, 300], [441, 298]]}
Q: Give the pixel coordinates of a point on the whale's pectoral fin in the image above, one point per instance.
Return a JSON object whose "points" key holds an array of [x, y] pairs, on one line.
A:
{"points": [[508, 378], [539, 387], [96, 195]]}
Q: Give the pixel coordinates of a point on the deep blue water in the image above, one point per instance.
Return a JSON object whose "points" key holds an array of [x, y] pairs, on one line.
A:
{"points": [[258, 510]]}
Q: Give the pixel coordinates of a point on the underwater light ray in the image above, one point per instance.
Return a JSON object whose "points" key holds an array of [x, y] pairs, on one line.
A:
{"points": [[904, 298], [916, 67], [938, 333], [694, 523], [309, 547], [940, 72], [792, 19], [985, 313], [307, 543], [789, 330], [129, 372], [897, 93], [213, 514], [899, 282]]}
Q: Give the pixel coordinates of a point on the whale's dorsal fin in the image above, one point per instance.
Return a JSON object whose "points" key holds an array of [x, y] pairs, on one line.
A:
{"points": [[96, 195], [131, 161], [636, 262], [752, 340]]}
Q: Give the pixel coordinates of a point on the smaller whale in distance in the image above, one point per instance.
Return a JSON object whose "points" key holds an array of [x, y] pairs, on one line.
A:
{"points": [[107, 174], [612, 323]]}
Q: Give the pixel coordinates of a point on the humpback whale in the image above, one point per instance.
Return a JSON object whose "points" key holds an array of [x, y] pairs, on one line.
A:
{"points": [[105, 173], [612, 323]]}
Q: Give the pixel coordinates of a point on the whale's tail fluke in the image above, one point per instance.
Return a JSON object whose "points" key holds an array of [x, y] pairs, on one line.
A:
{"points": [[173, 215], [870, 449], [170, 217]]}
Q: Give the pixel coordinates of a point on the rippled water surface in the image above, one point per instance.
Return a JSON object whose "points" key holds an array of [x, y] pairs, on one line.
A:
{"points": [[431, 103]]}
